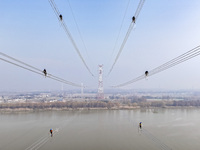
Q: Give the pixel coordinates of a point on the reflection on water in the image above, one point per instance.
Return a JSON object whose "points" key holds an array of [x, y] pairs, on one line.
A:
{"points": [[101, 130]]}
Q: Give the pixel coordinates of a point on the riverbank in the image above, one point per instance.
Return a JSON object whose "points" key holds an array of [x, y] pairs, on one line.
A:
{"points": [[94, 105], [29, 110], [2, 110]]}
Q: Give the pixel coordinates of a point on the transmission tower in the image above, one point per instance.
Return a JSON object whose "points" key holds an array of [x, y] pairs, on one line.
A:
{"points": [[100, 94]]}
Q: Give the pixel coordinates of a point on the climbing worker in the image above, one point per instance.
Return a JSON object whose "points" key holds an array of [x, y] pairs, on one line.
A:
{"points": [[45, 72], [133, 19], [146, 73], [60, 16], [140, 125], [51, 131]]}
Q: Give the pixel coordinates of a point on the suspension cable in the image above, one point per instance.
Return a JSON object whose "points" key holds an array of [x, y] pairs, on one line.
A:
{"points": [[139, 8], [178, 60], [78, 29], [60, 18], [120, 29], [21, 66], [36, 70], [3, 54], [141, 3]]}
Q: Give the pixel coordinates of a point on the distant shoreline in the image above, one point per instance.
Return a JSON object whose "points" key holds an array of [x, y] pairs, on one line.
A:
{"points": [[24, 110], [96, 105]]}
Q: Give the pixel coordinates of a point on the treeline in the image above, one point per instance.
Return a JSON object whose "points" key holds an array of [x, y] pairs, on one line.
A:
{"points": [[183, 103], [68, 104], [162, 103], [116, 104]]}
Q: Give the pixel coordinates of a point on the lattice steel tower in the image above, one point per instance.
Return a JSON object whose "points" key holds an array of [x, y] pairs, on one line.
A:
{"points": [[100, 94]]}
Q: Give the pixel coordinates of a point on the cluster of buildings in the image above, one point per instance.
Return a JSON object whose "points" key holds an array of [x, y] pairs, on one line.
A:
{"points": [[91, 95]]}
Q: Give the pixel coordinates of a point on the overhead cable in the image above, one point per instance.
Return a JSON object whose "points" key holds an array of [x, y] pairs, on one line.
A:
{"points": [[154, 139], [139, 8], [160, 144], [21, 66], [78, 29], [120, 28], [35, 70], [178, 60], [190, 54], [134, 18], [3, 54], [63, 24]]}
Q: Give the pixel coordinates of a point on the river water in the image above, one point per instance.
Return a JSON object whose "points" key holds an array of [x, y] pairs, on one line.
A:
{"points": [[177, 129]]}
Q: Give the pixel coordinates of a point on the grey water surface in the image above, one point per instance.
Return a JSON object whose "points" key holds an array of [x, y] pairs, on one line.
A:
{"points": [[177, 129]]}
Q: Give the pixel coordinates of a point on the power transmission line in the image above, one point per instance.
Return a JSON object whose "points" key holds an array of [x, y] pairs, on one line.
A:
{"points": [[21, 66], [3, 54], [60, 18], [190, 54], [139, 8], [134, 18], [78, 29], [120, 29], [36, 70], [178, 60], [160, 144]]}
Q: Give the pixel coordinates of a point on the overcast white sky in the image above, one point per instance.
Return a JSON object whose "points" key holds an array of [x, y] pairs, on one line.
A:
{"points": [[30, 32]]}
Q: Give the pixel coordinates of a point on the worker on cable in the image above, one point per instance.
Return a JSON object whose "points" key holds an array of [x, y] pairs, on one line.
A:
{"points": [[140, 125], [45, 72], [133, 19], [146, 73], [60, 16], [51, 132]]}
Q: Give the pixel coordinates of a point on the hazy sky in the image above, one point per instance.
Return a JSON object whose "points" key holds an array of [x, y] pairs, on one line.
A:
{"points": [[30, 32]]}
